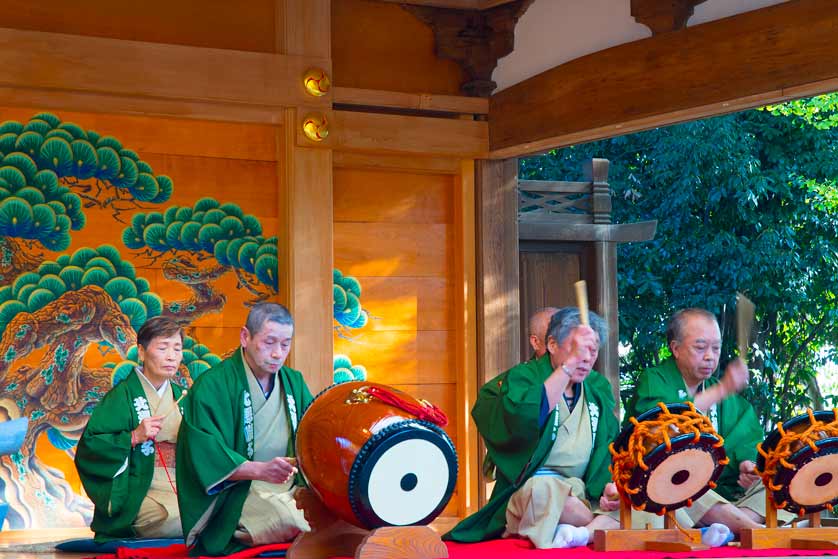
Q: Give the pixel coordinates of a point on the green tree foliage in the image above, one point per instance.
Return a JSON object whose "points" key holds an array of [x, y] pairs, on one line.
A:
{"points": [[345, 371], [744, 202], [41, 161], [102, 266], [209, 229]]}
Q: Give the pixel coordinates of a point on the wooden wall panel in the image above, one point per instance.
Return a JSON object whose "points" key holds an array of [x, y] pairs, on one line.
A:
{"points": [[410, 198], [200, 23], [392, 249], [395, 233], [415, 303], [546, 279], [381, 46], [403, 356]]}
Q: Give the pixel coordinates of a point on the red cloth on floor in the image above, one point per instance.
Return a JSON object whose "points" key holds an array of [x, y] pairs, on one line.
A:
{"points": [[500, 549], [522, 549]]}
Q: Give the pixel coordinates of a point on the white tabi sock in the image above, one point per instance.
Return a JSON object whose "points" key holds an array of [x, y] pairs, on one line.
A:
{"points": [[716, 535], [568, 535]]}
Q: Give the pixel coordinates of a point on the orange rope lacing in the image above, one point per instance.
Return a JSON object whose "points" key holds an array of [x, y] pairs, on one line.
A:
{"points": [[646, 436], [790, 442]]}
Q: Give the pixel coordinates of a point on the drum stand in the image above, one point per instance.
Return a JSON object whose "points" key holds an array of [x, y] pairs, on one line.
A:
{"points": [[668, 538], [813, 537], [332, 537]]}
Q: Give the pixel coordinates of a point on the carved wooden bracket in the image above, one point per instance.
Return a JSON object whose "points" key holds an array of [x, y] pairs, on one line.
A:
{"points": [[475, 39], [662, 16]]}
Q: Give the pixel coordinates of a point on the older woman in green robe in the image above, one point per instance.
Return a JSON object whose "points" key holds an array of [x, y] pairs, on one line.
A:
{"points": [[126, 455]]}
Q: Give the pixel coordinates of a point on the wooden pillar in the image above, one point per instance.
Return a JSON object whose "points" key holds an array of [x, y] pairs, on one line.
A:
{"points": [[466, 325], [605, 272], [498, 304], [304, 28], [605, 262]]}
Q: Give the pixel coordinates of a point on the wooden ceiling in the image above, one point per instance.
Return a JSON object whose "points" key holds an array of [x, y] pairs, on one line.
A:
{"points": [[459, 4]]}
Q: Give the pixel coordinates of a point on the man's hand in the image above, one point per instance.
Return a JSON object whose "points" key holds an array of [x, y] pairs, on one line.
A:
{"points": [[584, 345], [147, 429], [747, 474], [736, 376], [610, 499], [277, 470]]}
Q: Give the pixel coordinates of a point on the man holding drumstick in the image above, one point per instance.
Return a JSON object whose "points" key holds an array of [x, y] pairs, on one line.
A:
{"points": [[236, 477], [694, 339], [547, 424]]}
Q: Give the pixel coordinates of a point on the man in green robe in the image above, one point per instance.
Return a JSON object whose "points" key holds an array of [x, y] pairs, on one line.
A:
{"points": [[236, 477], [125, 457], [547, 424], [695, 341]]}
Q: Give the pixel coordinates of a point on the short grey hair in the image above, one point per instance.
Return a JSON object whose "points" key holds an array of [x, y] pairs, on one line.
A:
{"points": [[566, 319], [261, 313], [675, 327]]}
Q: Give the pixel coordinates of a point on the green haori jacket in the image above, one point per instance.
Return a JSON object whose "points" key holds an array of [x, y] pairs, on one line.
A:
{"points": [[734, 418], [115, 476], [507, 414], [214, 439]]}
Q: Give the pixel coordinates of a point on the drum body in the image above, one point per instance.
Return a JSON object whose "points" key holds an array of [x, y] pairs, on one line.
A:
{"points": [[372, 463], [798, 463], [666, 458]]}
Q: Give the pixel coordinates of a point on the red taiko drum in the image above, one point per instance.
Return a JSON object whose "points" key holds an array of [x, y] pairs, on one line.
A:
{"points": [[376, 456]]}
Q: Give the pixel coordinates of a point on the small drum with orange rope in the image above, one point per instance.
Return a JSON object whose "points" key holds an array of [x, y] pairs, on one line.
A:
{"points": [[666, 458], [377, 456], [798, 462]]}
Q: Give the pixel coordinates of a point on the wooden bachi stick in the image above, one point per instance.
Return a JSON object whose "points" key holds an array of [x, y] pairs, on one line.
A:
{"points": [[582, 301]]}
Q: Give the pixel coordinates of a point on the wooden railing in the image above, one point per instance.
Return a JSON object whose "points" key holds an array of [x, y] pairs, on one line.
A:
{"points": [[567, 202]]}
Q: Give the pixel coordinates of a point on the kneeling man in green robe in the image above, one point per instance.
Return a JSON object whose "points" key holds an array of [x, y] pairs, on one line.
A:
{"points": [[126, 455], [695, 341], [236, 473], [547, 424]]}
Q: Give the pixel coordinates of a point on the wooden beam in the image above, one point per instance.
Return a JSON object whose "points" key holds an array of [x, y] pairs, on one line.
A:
{"points": [[614, 233], [308, 195], [382, 133], [384, 162], [410, 101], [456, 4], [94, 65], [82, 101], [763, 56]]}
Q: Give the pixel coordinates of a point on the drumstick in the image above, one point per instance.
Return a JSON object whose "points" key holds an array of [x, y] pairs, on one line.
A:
{"points": [[582, 301], [744, 321], [182, 395]]}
